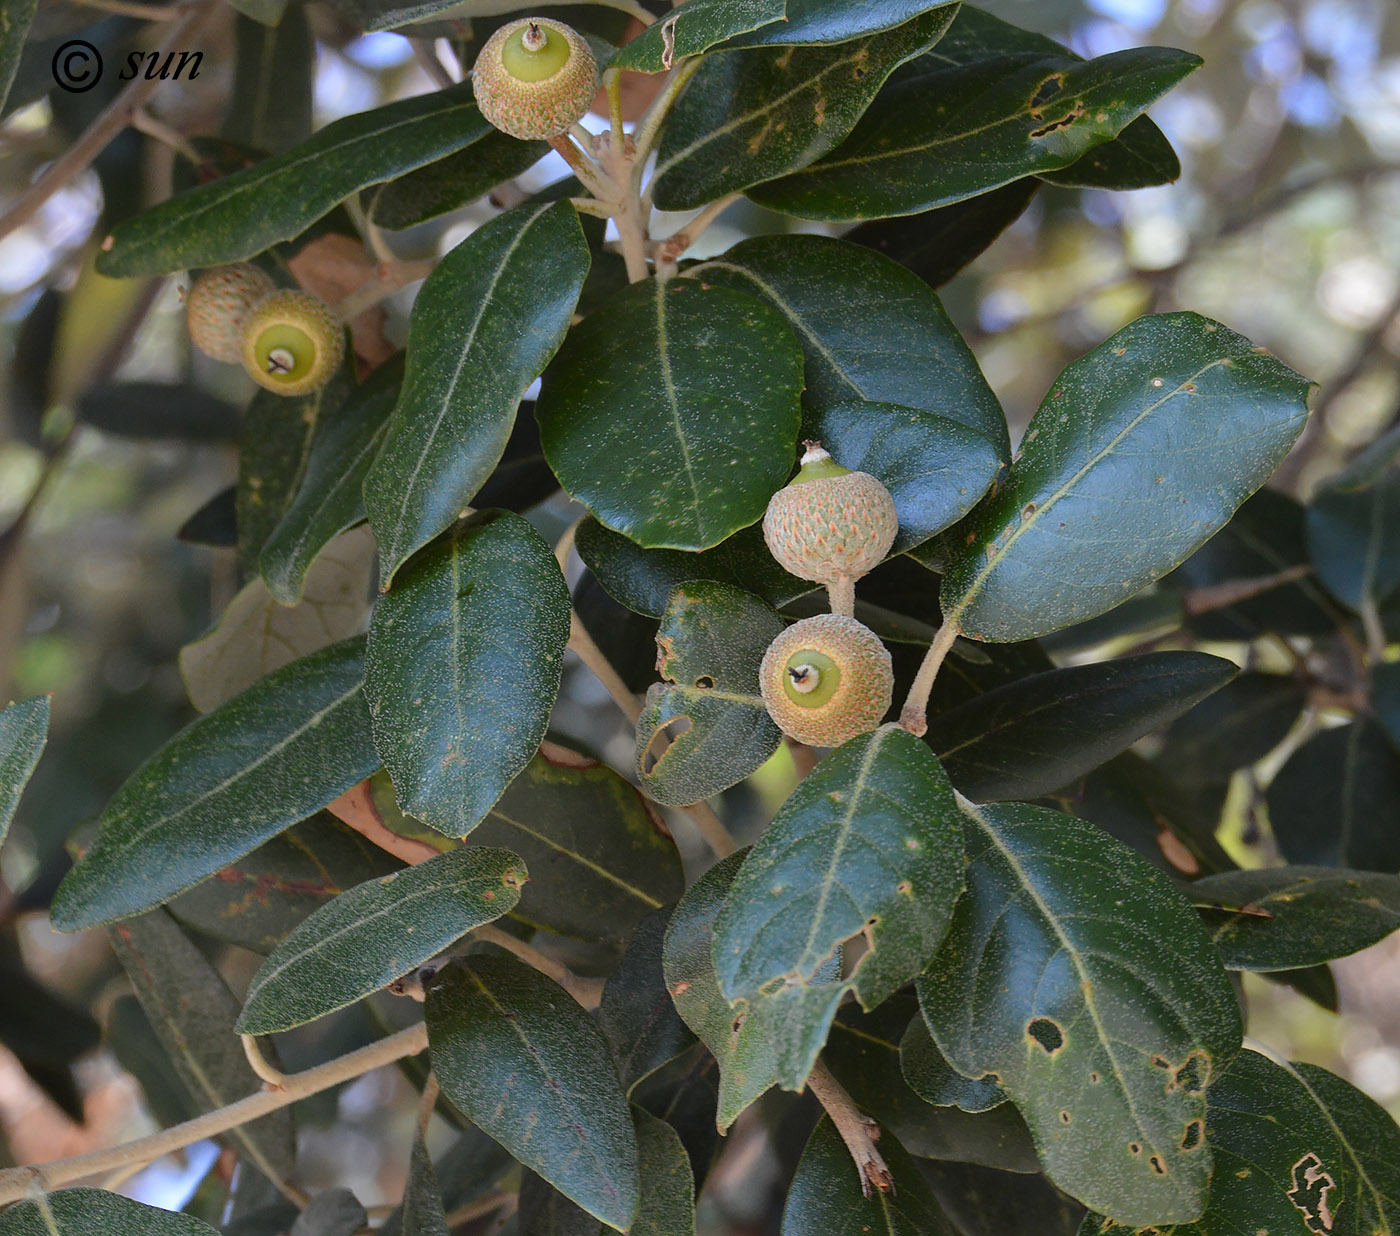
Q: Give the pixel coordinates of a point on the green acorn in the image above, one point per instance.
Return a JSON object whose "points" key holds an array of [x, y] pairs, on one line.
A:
{"points": [[217, 305], [828, 523], [826, 679], [292, 343], [535, 78]]}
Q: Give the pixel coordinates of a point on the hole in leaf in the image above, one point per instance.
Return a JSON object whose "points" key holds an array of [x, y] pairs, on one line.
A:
{"points": [[705, 682], [1194, 1135], [1194, 1076], [1093, 1079], [1135, 1148], [1157, 1165], [1047, 90], [1046, 1034], [1064, 1117], [736, 1025], [662, 741]]}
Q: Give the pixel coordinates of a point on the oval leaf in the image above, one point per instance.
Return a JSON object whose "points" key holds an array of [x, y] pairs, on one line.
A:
{"points": [[377, 932], [1186, 416], [462, 667], [483, 327], [1076, 974], [24, 729], [95, 1212], [671, 412], [226, 783], [528, 1066], [1353, 527]]}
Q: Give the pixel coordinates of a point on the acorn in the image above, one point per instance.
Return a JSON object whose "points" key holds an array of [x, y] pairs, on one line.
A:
{"points": [[535, 78], [217, 305], [292, 343], [828, 523], [826, 679]]}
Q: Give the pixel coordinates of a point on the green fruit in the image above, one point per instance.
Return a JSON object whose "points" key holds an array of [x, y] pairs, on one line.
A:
{"points": [[292, 343], [535, 78], [830, 523], [826, 679], [217, 305]]}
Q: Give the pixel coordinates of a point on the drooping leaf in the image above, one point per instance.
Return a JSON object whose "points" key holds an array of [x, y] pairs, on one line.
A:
{"points": [[1352, 527], [143, 410], [984, 1201], [242, 214], [1138, 158], [867, 846], [754, 115], [332, 1212], [527, 1065], [327, 499], [96, 1212], [935, 1081], [1385, 698], [1035, 735], [455, 181], [1285, 918], [706, 728], [810, 22], [644, 579], [771, 1039], [1075, 973], [1333, 802], [1235, 727], [237, 776], [377, 932], [462, 1173], [941, 136], [422, 1213], [1298, 1151], [636, 1015], [1176, 410], [214, 524], [131, 1038], [14, 27], [192, 1012], [671, 411], [24, 729], [270, 106], [900, 349], [462, 667], [483, 328], [826, 1194], [694, 27]]}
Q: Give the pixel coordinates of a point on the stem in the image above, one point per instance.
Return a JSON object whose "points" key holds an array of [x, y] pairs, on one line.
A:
{"points": [[612, 83], [841, 594], [143, 122], [1374, 629], [857, 1131], [669, 251], [134, 8], [587, 991], [483, 1206], [712, 829], [426, 56], [426, 1103], [912, 716], [588, 172], [260, 1064], [17, 1183], [592, 206], [645, 134], [592, 656], [105, 128]]}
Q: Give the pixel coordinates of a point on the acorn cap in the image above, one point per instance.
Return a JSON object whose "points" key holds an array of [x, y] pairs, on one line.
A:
{"points": [[292, 343], [826, 679], [535, 78], [217, 305], [828, 522]]}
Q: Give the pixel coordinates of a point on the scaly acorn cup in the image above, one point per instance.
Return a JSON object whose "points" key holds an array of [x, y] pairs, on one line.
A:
{"points": [[826, 679], [535, 78], [217, 305], [828, 523], [292, 343]]}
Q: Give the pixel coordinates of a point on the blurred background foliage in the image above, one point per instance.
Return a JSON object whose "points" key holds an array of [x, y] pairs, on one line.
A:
{"points": [[1285, 224]]}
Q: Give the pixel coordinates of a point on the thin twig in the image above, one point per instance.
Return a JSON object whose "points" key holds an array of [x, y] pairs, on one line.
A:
{"points": [[913, 716], [426, 55], [16, 1183], [144, 122], [489, 1204], [712, 829], [669, 251], [645, 134], [583, 646], [587, 991], [134, 8], [260, 1063], [857, 1131], [426, 1103]]}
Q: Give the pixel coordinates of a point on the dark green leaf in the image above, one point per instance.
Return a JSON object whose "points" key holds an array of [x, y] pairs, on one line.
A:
{"points": [[1284, 918], [937, 244], [159, 410], [1353, 527], [982, 1201], [462, 667], [1316, 983], [470, 1166], [271, 103], [1032, 736], [528, 1066], [868, 846], [132, 1039], [1138, 158], [483, 327], [834, 21], [455, 181], [1175, 409], [377, 932], [706, 728], [327, 497], [1077, 975], [770, 1039], [939, 137], [14, 26], [693, 28], [644, 579], [935, 1081], [1299, 1151], [231, 780], [244, 213], [95, 1212], [1385, 698], [901, 348], [332, 1212], [215, 524], [193, 1011], [256, 901], [636, 1014], [24, 729], [1236, 727], [672, 411], [1333, 802], [751, 116], [827, 1194]]}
